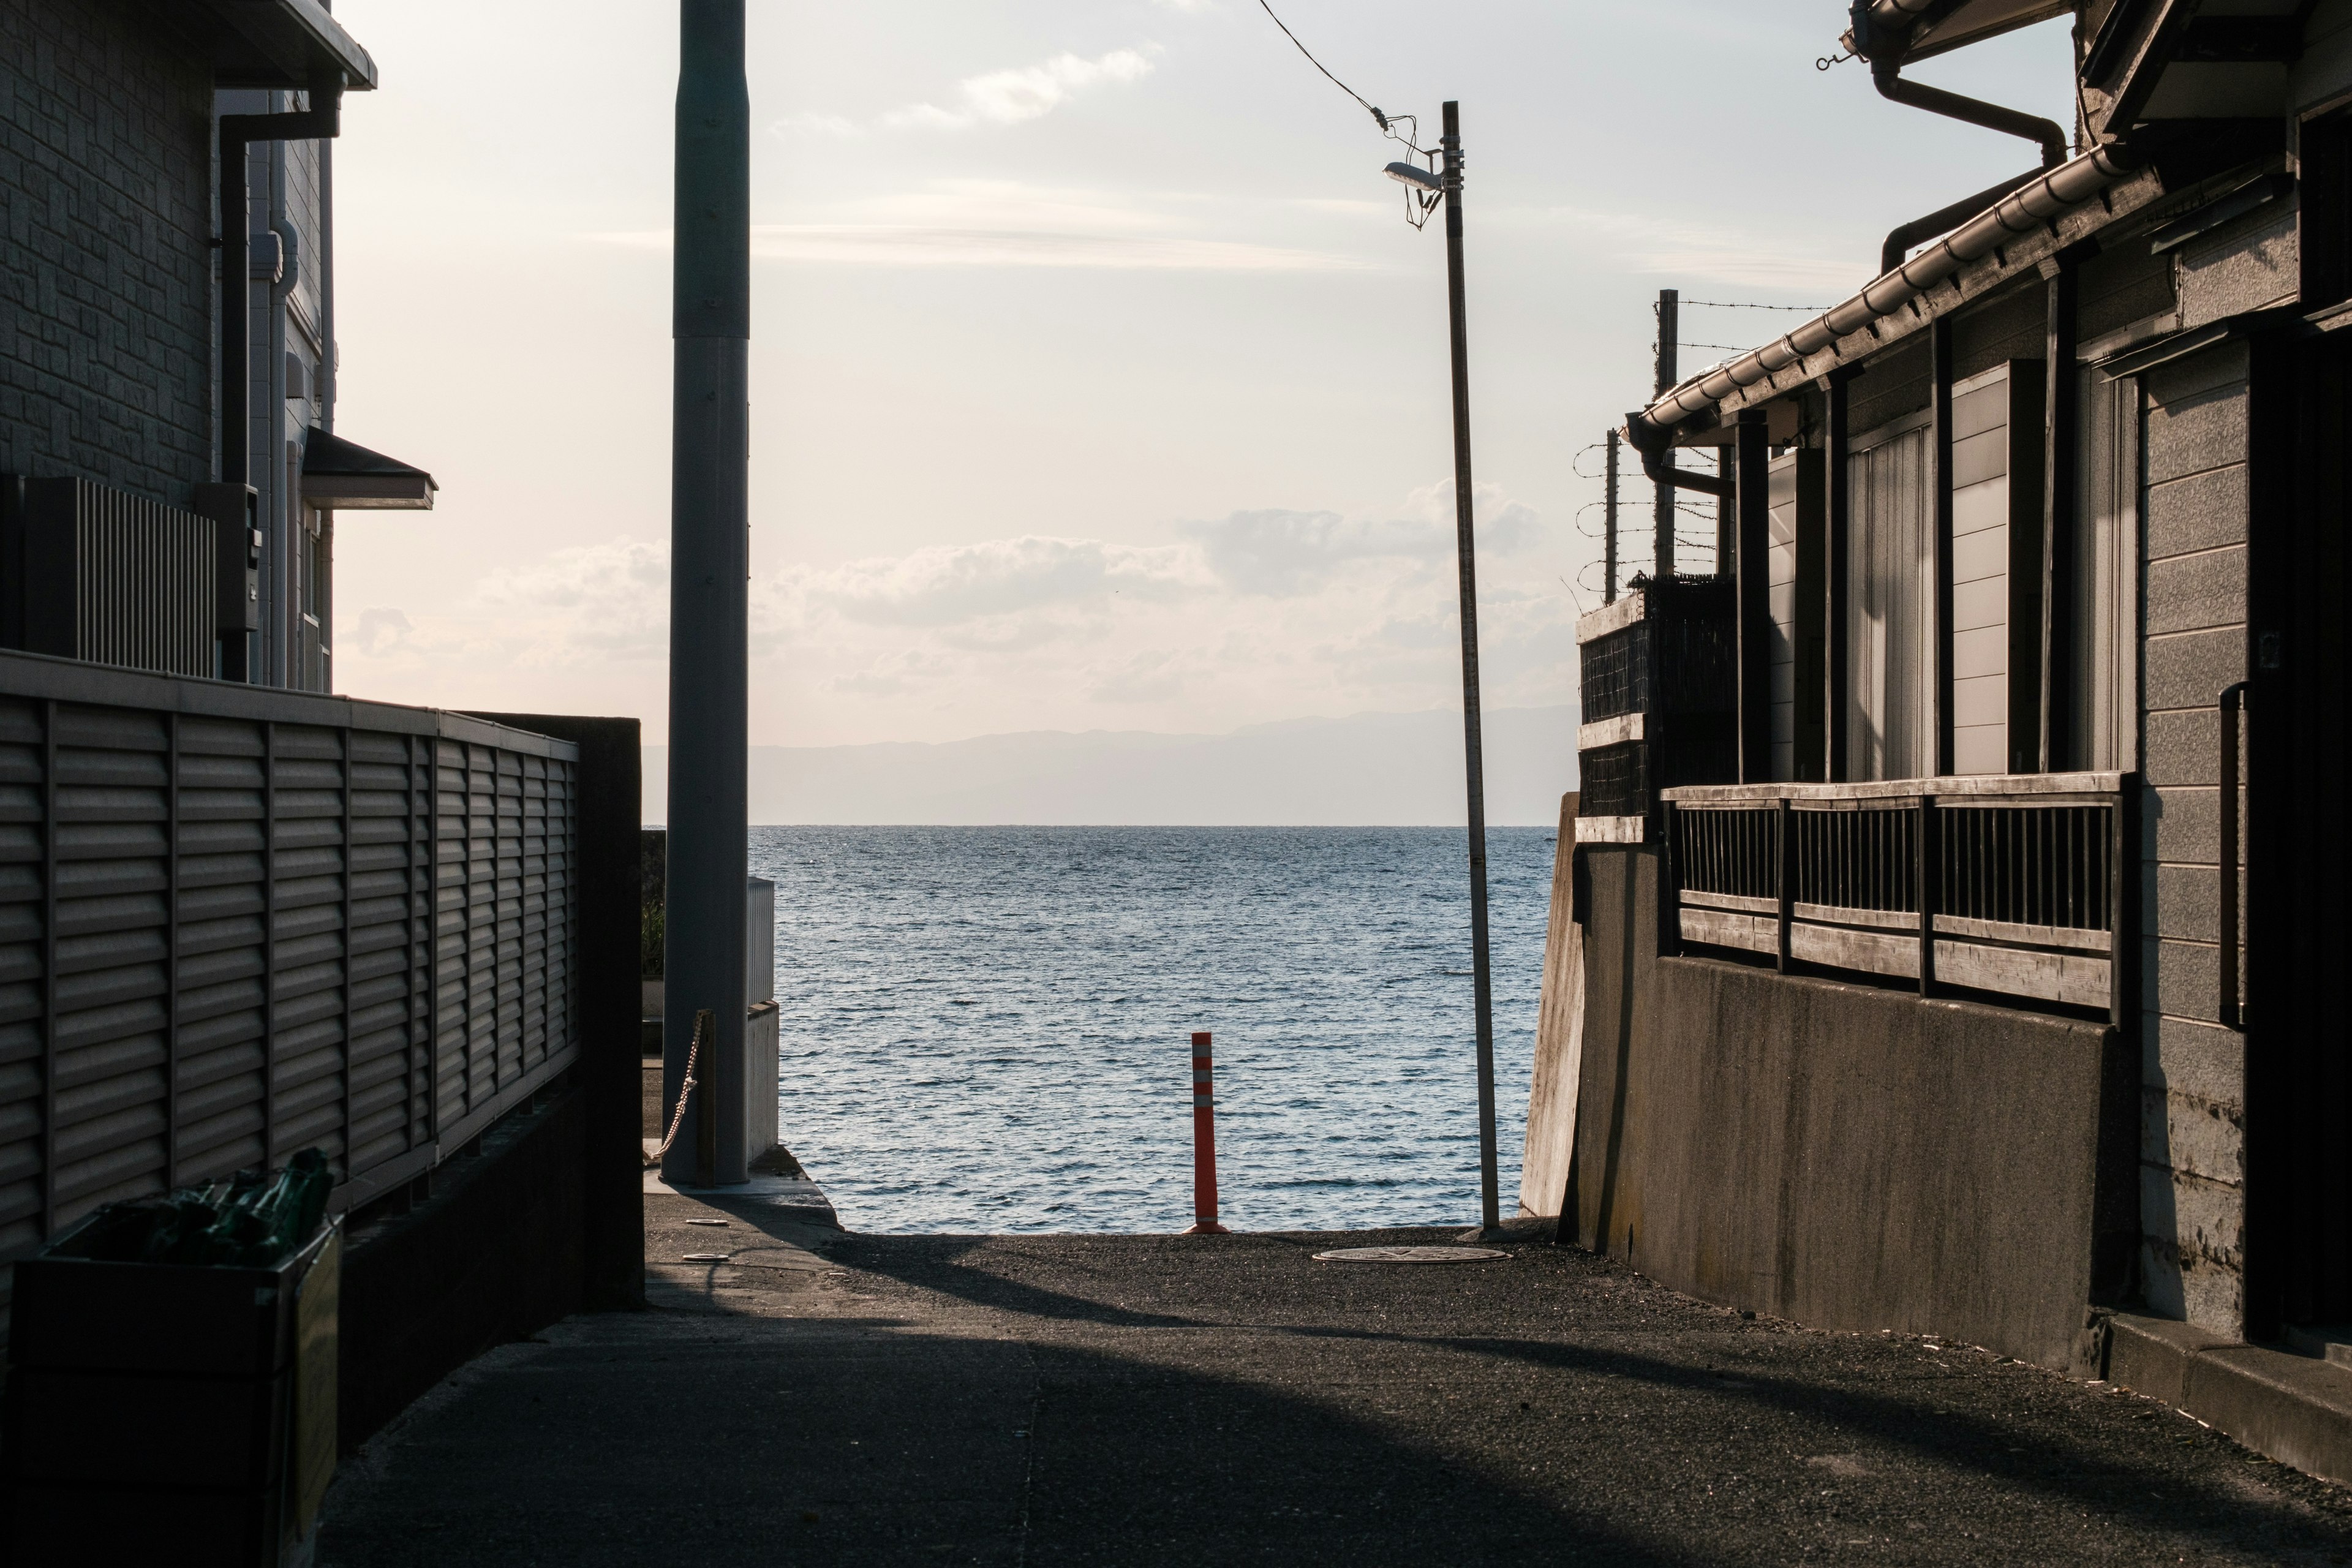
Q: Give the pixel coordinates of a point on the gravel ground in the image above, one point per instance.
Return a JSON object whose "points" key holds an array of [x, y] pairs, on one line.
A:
{"points": [[832, 1398]]}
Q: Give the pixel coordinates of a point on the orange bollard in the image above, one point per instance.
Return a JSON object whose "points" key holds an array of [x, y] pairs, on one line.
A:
{"points": [[1205, 1144]]}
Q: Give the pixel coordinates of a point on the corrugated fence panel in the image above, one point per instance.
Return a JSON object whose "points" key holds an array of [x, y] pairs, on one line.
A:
{"points": [[23, 970], [109, 1050], [225, 938]]}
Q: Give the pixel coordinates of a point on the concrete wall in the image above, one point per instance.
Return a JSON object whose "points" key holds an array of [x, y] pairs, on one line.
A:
{"points": [[1559, 1038], [498, 1251], [1845, 1157], [2192, 1146], [105, 210]]}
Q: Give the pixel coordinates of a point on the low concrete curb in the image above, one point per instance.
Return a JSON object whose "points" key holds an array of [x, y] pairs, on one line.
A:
{"points": [[2292, 1408]]}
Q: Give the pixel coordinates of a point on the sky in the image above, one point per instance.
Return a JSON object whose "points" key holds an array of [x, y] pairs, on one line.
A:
{"points": [[1098, 382]]}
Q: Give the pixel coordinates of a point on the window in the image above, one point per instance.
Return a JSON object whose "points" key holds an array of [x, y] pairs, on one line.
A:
{"points": [[2104, 700], [1890, 604]]}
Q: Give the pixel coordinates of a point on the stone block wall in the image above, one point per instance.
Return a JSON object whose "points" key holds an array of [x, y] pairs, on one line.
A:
{"points": [[2193, 588], [106, 260]]}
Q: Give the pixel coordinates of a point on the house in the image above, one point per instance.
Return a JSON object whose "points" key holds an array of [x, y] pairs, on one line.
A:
{"points": [[1962, 870], [170, 470], [241, 919]]}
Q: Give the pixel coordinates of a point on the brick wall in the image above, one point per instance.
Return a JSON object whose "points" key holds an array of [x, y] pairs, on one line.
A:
{"points": [[106, 267]]}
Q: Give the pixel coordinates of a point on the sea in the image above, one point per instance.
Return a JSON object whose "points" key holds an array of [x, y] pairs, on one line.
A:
{"points": [[989, 1029]]}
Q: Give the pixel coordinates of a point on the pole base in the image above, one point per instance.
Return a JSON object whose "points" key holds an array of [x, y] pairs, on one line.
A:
{"points": [[1491, 1233], [1205, 1227]]}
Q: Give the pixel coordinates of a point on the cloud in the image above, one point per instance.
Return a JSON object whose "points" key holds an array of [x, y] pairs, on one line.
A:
{"points": [[956, 586], [1023, 93], [1264, 614], [1281, 554], [810, 123], [1010, 97], [1674, 247], [876, 245], [610, 600], [380, 633], [1003, 223]]}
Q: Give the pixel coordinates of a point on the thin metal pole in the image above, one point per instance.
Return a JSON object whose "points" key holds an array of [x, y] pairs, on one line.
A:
{"points": [[704, 955], [1474, 747], [1608, 527], [1669, 330]]}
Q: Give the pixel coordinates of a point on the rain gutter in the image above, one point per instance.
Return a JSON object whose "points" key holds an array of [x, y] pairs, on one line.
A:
{"points": [[2035, 205]]}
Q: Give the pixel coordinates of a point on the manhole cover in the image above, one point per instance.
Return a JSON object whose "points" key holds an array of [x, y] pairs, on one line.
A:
{"points": [[706, 1258], [1411, 1255]]}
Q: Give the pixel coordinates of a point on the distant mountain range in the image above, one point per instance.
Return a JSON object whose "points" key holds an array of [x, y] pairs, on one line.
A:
{"points": [[1384, 769]]}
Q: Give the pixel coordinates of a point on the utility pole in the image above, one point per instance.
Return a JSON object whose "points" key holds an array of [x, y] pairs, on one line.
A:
{"points": [[1669, 331], [1474, 744], [711, 328], [1608, 527]]}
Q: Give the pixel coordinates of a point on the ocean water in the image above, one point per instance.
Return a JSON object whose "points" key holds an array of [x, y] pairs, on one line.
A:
{"points": [[988, 1029]]}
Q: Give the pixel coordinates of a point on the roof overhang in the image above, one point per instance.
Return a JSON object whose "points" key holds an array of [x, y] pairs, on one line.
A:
{"points": [[2153, 60], [1937, 25], [343, 476], [286, 44]]}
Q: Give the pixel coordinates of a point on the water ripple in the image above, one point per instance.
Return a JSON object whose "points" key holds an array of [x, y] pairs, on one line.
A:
{"points": [[989, 1029]]}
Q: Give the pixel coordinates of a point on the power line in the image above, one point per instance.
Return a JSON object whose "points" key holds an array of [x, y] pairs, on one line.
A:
{"points": [[1378, 118], [1735, 304]]}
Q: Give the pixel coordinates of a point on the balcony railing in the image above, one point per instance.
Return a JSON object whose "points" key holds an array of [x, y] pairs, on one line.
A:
{"points": [[2009, 883]]}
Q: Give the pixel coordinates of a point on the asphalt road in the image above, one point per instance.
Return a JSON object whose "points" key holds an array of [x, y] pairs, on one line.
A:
{"points": [[829, 1398]]}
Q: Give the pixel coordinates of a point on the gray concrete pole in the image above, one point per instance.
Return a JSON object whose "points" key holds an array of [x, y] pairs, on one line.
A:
{"points": [[710, 567]]}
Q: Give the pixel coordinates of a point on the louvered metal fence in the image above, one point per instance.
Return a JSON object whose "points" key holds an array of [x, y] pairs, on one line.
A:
{"points": [[237, 923]]}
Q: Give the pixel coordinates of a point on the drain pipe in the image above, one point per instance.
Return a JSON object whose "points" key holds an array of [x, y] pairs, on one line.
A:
{"points": [[1654, 443], [1903, 237], [1883, 48], [321, 121]]}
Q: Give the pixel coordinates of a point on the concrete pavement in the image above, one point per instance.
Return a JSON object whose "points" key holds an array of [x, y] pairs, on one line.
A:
{"points": [[831, 1398]]}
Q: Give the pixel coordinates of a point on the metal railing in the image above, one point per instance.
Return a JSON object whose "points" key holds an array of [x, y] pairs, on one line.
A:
{"points": [[235, 924], [2009, 884]]}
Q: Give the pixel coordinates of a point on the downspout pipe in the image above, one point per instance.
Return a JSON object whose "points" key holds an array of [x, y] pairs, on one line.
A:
{"points": [[323, 120], [1654, 443], [1903, 237], [1886, 76]]}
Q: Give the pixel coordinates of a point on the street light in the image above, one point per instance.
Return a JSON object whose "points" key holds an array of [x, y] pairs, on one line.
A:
{"points": [[1413, 175], [1447, 183]]}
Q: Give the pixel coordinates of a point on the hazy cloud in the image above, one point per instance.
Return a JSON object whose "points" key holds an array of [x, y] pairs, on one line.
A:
{"points": [[1284, 554], [380, 633], [1366, 614], [1008, 97], [1004, 222], [948, 585], [1673, 247], [1025, 92]]}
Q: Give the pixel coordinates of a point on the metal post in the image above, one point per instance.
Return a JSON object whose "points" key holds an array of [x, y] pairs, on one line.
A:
{"points": [[1726, 542], [709, 562], [1669, 330], [2226, 923], [1474, 747], [1609, 526]]}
